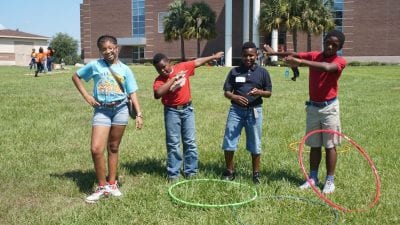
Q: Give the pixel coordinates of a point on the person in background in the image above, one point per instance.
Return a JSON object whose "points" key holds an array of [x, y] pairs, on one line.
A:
{"points": [[113, 81], [40, 61], [245, 86], [173, 87], [325, 69], [32, 63], [50, 55]]}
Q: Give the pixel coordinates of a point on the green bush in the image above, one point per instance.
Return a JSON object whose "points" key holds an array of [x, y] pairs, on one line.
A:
{"points": [[354, 63]]}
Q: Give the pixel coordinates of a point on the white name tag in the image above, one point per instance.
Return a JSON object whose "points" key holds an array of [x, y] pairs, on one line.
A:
{"points": [[240, 79]]}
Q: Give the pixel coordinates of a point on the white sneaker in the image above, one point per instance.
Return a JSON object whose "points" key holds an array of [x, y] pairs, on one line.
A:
{"points": [[113, 189], [329, 187], [307, 185], [100, 192]]}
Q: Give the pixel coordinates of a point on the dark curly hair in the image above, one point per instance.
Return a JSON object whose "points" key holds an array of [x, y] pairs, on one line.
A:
{"points": [[338, 34], [158, 57]]}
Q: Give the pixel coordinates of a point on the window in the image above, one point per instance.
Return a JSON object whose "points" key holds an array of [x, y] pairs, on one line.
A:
{"points": [[138, 18], [138, 54], [161, 16], [338, 7]]}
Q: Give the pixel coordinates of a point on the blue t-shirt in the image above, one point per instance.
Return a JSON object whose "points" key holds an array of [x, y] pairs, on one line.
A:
{"points": [[106, 88]]}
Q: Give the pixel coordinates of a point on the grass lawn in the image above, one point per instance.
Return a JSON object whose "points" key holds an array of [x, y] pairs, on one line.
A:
{"points": [[46, 168]]}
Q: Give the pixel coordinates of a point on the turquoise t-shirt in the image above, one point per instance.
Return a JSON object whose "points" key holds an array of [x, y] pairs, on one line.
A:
{"points": [[106, 88]]}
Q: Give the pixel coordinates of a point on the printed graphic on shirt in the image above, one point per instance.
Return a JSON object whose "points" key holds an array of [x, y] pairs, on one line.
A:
{"points": [[180, 82], [107, 84]]}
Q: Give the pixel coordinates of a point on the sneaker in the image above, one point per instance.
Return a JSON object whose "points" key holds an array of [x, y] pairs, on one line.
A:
{"points": [[307, 185], [256, 178], [113, 189], [100, 192], [329, 187], [228, 175]]}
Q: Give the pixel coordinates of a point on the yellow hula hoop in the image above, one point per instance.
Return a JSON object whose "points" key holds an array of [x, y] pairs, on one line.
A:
{"points": [[294, 147]]}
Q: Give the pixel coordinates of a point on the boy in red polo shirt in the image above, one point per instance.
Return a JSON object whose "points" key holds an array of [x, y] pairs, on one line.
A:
{"points": [[322, 109], [173, 87]]}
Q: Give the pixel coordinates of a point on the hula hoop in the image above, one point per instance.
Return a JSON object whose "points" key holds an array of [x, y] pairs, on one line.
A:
{"points": [[363, 153], [345, 148], [235, 204]]}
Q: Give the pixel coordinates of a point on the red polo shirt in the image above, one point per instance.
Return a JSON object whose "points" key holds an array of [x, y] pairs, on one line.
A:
{"points": [[182, 95], [323, 85]]}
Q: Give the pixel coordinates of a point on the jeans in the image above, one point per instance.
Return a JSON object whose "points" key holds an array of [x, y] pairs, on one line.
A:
{"points": [[180, 123], [249, 118]]}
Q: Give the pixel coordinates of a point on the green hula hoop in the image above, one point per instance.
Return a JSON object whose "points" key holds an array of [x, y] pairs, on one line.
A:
{"points": [[235, 204]]}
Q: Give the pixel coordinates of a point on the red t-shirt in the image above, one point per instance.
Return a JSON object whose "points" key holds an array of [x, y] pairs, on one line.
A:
{"points": [[181, 95], [323, 85]]}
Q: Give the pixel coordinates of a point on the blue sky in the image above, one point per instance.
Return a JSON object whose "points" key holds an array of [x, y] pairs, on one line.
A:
{"points": [[42, 17]]}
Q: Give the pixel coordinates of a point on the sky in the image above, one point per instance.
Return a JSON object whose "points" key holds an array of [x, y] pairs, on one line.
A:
{"points": [[42, 17]]}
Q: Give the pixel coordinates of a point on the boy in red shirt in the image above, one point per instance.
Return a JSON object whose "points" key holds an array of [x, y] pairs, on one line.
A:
{"points": [[322, 109], [173, 87]]}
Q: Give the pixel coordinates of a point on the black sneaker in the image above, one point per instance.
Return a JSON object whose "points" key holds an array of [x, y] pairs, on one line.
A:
{"points": [[256, 178], [228, 175]]}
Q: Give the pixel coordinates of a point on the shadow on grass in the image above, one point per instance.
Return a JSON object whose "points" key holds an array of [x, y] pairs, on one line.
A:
{"points": [[213, 169], [282, 174], [84, 180], [148, 166]]}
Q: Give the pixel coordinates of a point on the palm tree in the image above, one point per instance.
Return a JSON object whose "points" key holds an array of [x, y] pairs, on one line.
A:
{"points": [[317, 18], [202, 24], [175, 24], [272, 15], [293, 22]]}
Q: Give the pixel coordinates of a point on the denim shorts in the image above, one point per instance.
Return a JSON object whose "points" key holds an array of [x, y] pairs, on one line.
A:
{"points": [[108, 116], [251, 120]]}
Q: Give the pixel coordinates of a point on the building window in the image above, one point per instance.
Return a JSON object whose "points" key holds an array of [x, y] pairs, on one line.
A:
{"points": [[138, 18], [138, 54], [338, 8], [161, 16]]}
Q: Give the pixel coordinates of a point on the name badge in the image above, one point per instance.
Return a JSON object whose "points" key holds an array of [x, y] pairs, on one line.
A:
{"points": [[240, 79]]}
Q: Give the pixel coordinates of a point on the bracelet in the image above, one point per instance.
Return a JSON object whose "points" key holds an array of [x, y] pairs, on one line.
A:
{"points": [[139, 115]]}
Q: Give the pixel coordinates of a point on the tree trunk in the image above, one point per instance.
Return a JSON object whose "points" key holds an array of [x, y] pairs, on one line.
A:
{"points": [[308, 41], [198, 47], [183, 57], [294, 33]]}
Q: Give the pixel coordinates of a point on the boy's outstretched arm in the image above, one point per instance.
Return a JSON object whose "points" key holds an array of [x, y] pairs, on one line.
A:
{"points": [[270, 51], [200, 61]]}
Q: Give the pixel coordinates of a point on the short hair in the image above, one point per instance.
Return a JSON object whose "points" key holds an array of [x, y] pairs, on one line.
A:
{"points": [[248, 44], [338, 34], [158, 57], [104, 38]]}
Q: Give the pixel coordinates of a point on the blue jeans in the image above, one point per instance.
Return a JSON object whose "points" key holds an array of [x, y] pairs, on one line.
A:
{"points": [[180, 123], [249, 118]]}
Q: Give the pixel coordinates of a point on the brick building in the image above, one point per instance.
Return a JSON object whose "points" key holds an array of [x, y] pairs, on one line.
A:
{"points": [[371, 28]]}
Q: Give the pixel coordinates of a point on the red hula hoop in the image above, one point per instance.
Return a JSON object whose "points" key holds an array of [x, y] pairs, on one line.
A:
{"points": [[363, 153]]}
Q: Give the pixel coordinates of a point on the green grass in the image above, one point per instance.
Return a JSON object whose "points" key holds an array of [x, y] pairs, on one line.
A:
{"points": [[46, 168]]}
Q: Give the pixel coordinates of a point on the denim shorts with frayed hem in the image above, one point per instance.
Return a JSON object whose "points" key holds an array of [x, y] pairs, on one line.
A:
{"points": [[108, 116]]}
